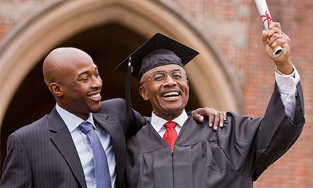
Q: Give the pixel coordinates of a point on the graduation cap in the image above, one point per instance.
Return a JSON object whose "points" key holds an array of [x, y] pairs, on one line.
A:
{"points": [[159, 50]]}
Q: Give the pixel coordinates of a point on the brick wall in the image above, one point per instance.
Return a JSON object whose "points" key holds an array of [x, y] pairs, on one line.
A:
{"points": [[295, 168], [14, 11], [235, 27]]}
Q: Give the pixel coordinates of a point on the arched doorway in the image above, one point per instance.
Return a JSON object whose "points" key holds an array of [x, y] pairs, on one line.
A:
{"points": [[108, 30]]}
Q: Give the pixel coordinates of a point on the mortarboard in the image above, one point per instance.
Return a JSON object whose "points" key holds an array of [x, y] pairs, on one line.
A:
{"points": [[159, 50]]}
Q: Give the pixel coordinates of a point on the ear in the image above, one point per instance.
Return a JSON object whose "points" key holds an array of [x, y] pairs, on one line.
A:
{"points": [[144, 93], [56, 89]]}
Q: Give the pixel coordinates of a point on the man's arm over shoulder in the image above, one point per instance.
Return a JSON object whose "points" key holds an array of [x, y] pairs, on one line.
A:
{"points": [[117, 108], [16, 169], [137, 123]]}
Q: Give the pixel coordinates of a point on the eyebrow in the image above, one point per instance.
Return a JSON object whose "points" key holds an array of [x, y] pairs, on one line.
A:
{"points": [[164, 71], [86, 72]]}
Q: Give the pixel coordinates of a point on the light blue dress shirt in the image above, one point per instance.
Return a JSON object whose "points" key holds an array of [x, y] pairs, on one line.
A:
{"points": [[83, 146]]}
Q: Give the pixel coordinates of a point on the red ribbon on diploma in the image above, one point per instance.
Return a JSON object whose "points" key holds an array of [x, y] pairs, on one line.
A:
{"points": [[267, 18]]}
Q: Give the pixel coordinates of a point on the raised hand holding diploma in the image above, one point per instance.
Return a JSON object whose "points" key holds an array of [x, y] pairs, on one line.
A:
{"points": [[267, 20], [271, 40]]}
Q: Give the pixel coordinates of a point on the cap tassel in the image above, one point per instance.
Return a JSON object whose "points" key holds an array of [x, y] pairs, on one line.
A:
{"points": [[129, 111]]}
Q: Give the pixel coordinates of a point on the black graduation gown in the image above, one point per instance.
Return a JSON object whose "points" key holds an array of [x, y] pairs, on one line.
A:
{"points": [[231, 157]]}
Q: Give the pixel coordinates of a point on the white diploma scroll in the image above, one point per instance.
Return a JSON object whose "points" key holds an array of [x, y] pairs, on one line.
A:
{"points": [[267, 20]]}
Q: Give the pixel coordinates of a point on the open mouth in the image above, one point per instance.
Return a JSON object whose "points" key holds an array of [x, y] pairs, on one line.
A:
{"points": [[95, 97], [171, 94]]}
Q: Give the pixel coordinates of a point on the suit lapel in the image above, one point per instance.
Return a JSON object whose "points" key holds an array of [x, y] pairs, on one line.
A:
{"points": [[115, 130], [63, 141]]}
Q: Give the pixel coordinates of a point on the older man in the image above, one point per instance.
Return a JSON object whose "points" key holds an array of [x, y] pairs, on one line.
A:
{"points": [[172, 152]]}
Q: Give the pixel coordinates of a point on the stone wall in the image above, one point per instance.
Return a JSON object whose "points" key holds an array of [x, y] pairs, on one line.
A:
{"points": [[235, 27]]}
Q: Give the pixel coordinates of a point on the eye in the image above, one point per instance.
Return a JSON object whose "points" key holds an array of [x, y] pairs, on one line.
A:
{"points": [[85, 79], [176, 75], [158, 77]]}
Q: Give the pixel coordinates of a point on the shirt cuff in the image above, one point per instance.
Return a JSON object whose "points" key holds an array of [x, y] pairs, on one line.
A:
{"points": [[287, 84]]}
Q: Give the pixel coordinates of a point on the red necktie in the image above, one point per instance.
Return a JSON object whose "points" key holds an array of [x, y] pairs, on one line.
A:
{"points": [[170, 134]]}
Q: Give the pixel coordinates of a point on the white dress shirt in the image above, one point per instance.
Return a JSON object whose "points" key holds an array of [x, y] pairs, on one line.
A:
{"points": [[158, 123], [83, 146], [286, 87]]}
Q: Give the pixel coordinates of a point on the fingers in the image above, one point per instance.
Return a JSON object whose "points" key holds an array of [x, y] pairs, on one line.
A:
{"points": [[212, 122], [265, 37], [275, 29], [222, 119], [275, 24], [274, 38], [211, 114], [215, 118], [197, 115], [280, 39], [276, 34], [216, 121]]}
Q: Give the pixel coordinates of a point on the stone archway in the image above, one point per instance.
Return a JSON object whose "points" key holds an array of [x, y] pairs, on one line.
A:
{"points": [[35, 37]]}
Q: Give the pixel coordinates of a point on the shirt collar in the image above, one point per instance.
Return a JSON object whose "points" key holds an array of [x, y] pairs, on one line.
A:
{"points": [[72, 121], [157, 122]]}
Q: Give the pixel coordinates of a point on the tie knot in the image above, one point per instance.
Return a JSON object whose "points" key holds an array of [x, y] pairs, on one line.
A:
{"points": [[170, 125], [85, 127]]}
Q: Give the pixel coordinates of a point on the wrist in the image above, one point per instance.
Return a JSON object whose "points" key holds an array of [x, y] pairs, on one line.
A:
{"points": [[287, 71], [285, 68]]}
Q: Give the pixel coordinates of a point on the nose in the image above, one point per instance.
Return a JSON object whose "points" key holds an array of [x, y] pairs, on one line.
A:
{"points": [[96, 82], [170, 81]]}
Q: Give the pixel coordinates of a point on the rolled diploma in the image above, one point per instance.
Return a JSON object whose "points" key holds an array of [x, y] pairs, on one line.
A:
{"points": [[267, 20]]}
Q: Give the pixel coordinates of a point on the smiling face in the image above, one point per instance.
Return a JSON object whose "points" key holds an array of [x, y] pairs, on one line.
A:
{"points": [[76, 84], [168, 98]]}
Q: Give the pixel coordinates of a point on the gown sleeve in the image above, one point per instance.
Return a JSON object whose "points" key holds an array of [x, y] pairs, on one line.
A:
{"points": [[253, 144]]}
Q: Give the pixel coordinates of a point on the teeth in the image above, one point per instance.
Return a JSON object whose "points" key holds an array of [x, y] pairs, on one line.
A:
{"points": [[171, 94], [95, 96]]}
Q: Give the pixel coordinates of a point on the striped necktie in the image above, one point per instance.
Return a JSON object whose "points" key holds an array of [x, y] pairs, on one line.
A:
{"points": [[102, 174]]}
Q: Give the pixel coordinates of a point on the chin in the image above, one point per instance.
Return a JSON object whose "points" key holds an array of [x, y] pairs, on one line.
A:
{"points": [[95, 109], [173, 111], [174, 107]]}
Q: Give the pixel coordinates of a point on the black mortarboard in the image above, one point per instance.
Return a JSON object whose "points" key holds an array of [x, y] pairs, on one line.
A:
{"points": [[157, 51]]}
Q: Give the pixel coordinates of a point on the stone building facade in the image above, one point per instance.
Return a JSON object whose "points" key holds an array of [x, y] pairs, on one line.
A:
{"points": [[232, 73]]}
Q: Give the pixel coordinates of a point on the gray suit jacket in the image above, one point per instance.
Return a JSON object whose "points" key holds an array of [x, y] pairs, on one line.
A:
{"points": [[43, 154]]}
